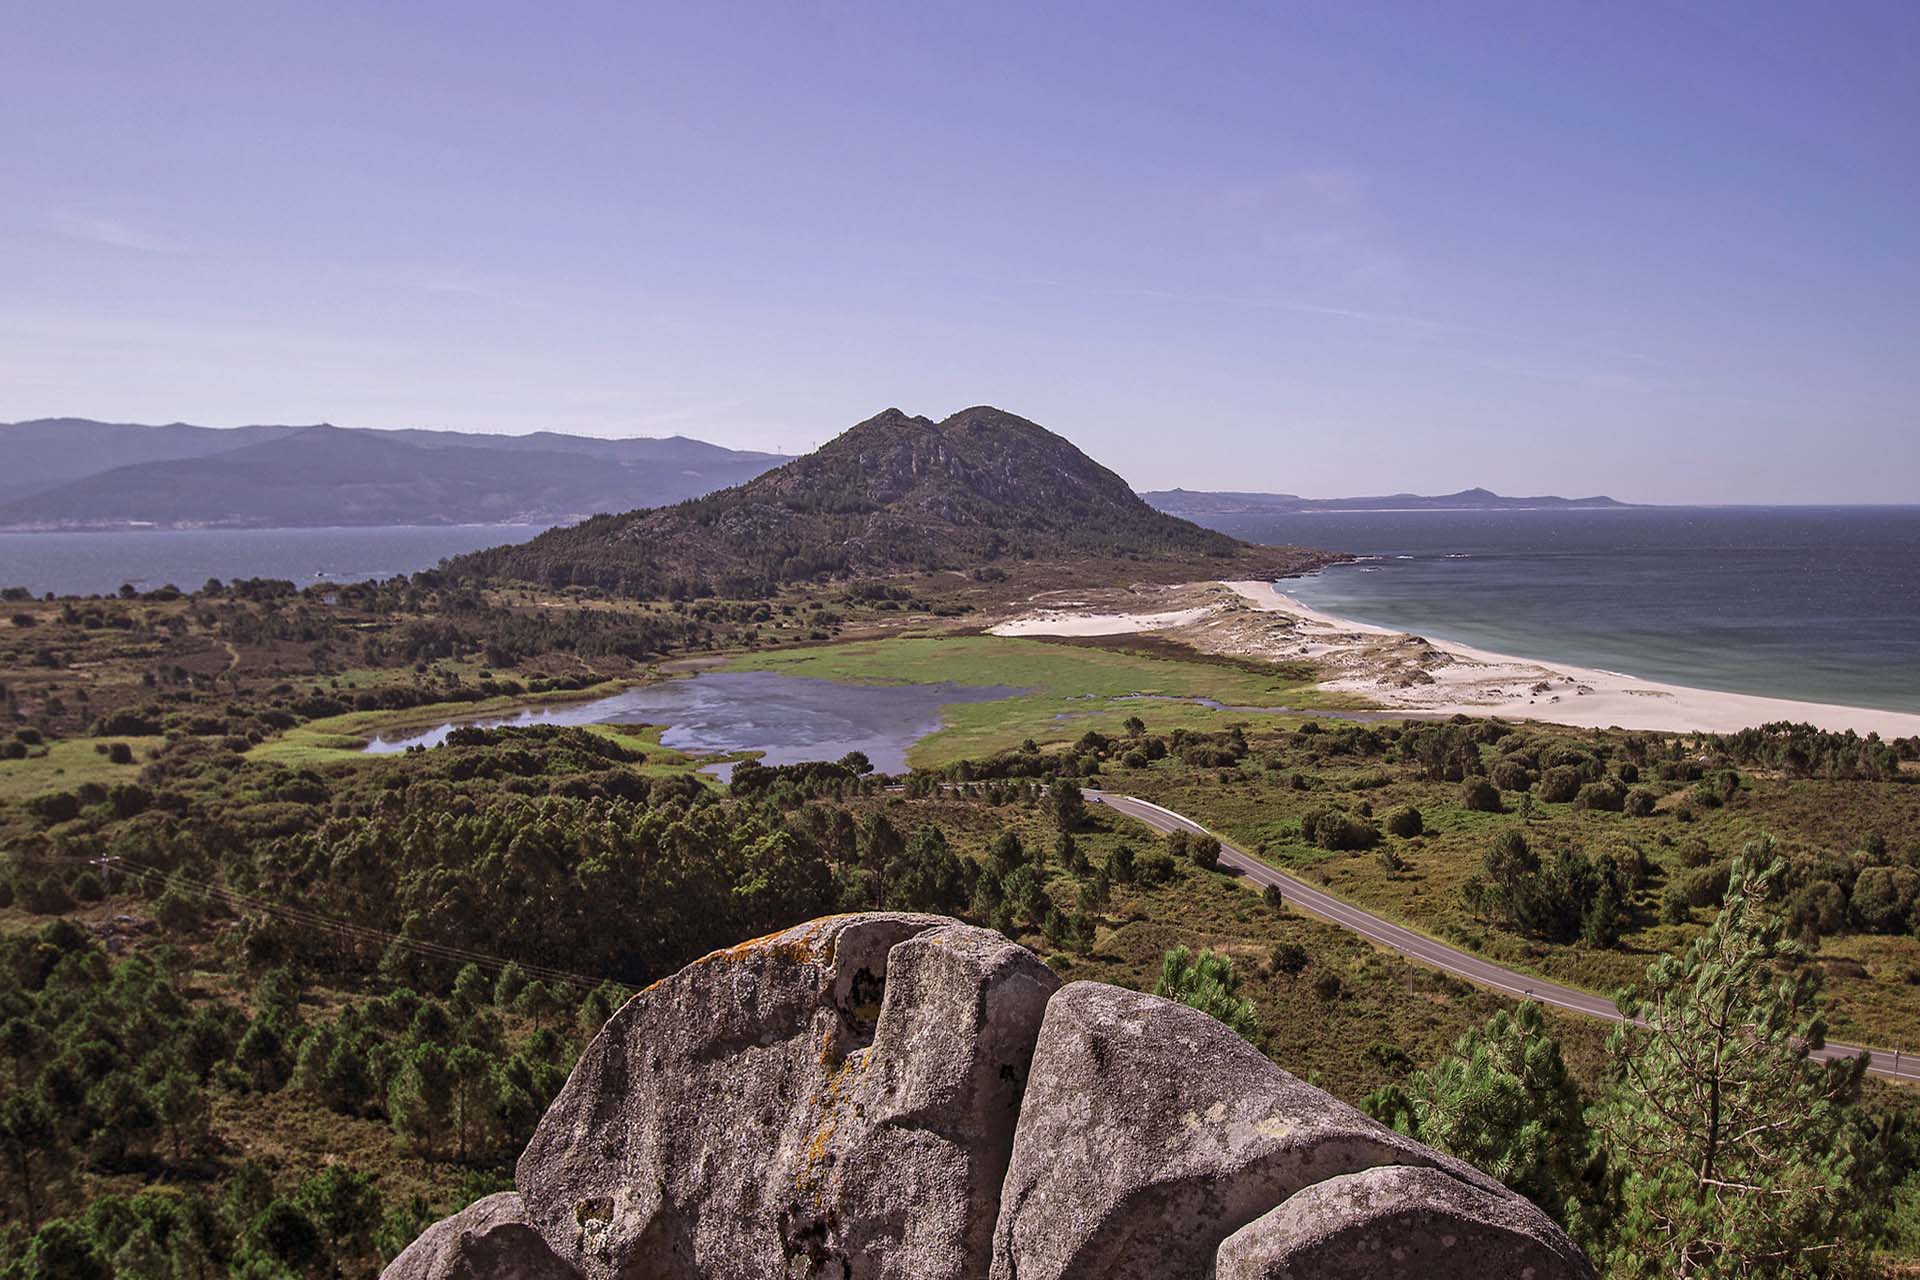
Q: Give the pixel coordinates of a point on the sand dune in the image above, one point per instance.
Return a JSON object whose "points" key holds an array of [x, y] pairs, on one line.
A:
{"points": [[1399, 671]]}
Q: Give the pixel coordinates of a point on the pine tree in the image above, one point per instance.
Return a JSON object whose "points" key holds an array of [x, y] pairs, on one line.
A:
{"points": [[421, 1096], [344, 1206], [473, 1099], [34, 1152], [181, 1107], [1206, 981], [1744, 1155], [1504, 1102]]}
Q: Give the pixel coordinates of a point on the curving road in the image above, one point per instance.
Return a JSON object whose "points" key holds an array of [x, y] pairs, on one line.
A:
{"points": [[1437, 955]]}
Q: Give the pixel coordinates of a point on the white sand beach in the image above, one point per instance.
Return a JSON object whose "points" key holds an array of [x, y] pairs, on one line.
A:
{"points": [[1063, 622], [1399, 671]]}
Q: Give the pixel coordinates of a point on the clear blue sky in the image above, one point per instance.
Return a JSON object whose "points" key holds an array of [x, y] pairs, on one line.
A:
{"points": [[1667, 251]]}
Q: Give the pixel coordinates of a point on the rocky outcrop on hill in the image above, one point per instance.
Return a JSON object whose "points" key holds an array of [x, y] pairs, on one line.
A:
{"points": [[875, 1096]]}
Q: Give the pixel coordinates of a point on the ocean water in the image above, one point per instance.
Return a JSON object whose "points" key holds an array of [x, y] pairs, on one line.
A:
{"points": [[80, 564], [1815, 603]]}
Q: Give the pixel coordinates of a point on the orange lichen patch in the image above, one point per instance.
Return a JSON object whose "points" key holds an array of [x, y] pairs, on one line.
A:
{"points": [[811, 1178], [799, 944]]}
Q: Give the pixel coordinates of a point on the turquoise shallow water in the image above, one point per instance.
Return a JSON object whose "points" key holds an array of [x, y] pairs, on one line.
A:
{"points": [[1818, 603]]}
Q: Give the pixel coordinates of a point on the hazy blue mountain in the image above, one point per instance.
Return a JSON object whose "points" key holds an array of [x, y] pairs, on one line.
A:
{"points": [[44, 452], [1193, 502], [75, 473]]}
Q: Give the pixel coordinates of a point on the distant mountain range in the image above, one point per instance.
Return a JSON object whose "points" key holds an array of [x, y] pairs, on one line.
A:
{"points": [[896, 494], [1190, 502], [73, 473]]}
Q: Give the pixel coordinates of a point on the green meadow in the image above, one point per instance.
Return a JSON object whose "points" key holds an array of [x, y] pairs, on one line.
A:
{"points": [[1066, 689]]}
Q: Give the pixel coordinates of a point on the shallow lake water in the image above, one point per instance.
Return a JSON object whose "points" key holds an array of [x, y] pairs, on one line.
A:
{"points": [[790, 719]]}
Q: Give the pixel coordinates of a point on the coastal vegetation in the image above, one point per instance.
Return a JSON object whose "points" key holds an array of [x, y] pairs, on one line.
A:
{"points": [[300, 922], [274, 1001]]}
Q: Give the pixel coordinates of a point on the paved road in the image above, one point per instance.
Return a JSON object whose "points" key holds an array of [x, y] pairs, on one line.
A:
{"points": [[1417, 946]]}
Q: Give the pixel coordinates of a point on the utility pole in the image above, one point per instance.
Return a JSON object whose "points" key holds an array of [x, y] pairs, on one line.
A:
{"points": [[106, 881]]}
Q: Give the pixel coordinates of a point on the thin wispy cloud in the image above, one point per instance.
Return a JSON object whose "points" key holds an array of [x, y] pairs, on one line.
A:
{"points": [[1387, 320], [109, 231], [1295, 306], [460, 283], [699, 412]]}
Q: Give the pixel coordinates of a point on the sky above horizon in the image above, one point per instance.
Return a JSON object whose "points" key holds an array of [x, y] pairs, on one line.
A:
{"points": [[1664, 251]]}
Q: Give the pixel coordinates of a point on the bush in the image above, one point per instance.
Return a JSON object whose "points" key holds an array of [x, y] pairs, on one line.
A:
{"points": [[178, 912], [1338, 830], [1694, 852], [1581, 762], [1640, 802], [1276, 900], [1512, 775], [120, 753], [46, 896], [1678, 770], [1706, 887], [1559, 784], [1289, 958], [1819, 908], [1154, 868], [1883, 898], [1405, 822], [1673, 906], [1205, 852], [1608, 796], [56, 807], [1480, 796]]}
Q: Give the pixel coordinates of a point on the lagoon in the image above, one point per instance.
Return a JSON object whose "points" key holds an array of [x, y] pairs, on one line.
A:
{"points": [[788, 719]]}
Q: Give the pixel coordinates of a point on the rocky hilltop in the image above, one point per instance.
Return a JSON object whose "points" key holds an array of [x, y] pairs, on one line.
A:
{"points": [[893, 494], [881, 1096]]}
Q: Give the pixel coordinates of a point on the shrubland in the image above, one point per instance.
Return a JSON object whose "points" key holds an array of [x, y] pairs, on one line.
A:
{"points": [[272, 1004]]}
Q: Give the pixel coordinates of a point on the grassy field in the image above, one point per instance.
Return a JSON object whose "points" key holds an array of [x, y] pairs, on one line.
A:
{"points": [[69, 763], [1066, 689], [332, 739]]}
